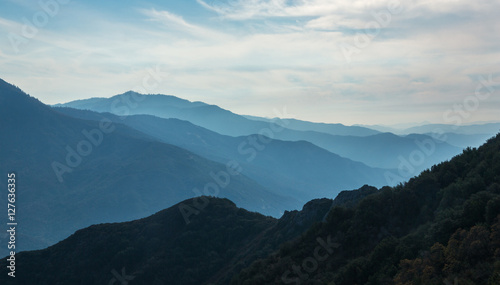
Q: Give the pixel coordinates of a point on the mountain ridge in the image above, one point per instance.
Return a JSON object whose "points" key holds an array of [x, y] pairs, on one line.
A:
{"points": [[441, 226], [369, 150], [75, 174], [304, 167]]}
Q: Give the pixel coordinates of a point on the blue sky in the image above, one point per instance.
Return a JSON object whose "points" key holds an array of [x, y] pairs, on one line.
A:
{"points": [[368, 62]]}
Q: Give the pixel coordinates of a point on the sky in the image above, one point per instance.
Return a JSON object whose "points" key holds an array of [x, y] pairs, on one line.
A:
{"points": [[335, 61]]}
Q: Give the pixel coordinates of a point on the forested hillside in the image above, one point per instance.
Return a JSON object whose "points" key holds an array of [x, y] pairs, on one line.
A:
{"points": [[442, 226]]}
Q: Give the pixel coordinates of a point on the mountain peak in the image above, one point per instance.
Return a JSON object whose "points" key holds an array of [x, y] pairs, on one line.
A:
{"points": [[16, 104], [5, 84], [9, 91]]}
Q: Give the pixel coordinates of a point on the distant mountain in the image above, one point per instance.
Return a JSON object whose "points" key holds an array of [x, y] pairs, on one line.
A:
{"points": [[332, 129], [393, 128], [72, 173], [475, 129], [383, 150], [481, 129], [298, 169], [165, 106], [463, 141]]}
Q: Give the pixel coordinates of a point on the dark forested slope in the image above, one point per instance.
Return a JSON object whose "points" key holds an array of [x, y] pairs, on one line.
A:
{"points": [[442, 226]]}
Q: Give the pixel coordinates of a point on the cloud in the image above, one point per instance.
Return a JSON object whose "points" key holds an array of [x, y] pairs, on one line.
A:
{"points": [[176, 23], [353, 14], [244, 10], [253, 56]]}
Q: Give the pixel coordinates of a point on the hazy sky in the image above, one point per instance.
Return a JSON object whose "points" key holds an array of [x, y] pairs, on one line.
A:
{"points": [[332, 61]]}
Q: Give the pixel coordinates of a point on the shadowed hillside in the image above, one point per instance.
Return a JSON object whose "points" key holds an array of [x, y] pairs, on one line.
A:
{"points": [[441, 227]]}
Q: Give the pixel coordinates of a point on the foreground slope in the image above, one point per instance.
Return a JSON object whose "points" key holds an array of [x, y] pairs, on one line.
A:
{"points": [[442, 227], [68, 179], [163, 249]]}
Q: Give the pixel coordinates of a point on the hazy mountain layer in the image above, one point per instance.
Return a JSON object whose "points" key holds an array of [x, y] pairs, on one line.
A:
{"points": [[332, 129], [72, 173], [298, 169], [381, 150]]}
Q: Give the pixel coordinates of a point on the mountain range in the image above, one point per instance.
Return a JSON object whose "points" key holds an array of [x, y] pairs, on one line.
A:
{"points": [[73, 173], [146, 162], [427, 128], [221, 191], [306, 171], [373, 148], [82, 167], [442, 226]]}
